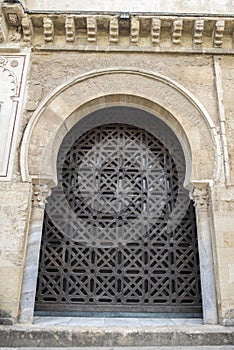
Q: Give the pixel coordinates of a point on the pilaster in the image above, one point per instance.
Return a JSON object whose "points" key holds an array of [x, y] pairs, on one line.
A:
{"points": [[202, 200], [40, 192]]}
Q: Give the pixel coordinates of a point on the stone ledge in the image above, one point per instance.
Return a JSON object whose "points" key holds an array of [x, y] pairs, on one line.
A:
{"points": [[132, 49], [20, 336]]}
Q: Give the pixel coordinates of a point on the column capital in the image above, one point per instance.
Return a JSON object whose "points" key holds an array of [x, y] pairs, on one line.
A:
{"points": [[40, 193], [200, 195]]}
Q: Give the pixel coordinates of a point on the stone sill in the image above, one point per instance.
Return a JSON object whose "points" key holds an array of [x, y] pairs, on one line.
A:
{"points": [[74, 336]]}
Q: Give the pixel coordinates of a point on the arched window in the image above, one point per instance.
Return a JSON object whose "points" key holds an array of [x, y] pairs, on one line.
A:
{"points": [[119, 230]]}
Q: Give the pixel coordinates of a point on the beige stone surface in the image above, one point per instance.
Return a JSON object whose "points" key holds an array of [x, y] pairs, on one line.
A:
{"points": [[228, 238], [195, 6], [10, 289], [227, 65], [194, 72], [223, 215], [14, 216]]}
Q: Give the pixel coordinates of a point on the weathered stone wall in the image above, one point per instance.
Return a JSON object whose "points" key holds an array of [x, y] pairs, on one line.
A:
{"points": [[15, 208], [223, 243], [194, 72], [227, 67], [223, 202]]}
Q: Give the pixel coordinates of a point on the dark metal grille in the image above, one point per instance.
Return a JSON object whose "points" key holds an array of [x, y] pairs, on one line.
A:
{"points": [[119, 229]]}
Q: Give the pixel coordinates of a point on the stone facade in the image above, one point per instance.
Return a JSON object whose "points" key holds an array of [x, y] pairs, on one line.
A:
{"points": [[59, 64]]}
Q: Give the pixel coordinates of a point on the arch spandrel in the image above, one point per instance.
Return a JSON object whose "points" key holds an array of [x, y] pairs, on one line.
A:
{"points": [[153, 93]]}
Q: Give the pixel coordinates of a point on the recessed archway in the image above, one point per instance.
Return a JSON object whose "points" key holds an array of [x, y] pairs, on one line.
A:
{"points": [[150, 92], [119, 231]]}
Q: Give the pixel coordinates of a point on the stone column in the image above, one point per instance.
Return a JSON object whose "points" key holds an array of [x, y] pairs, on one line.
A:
{"points": [[40, 193], [209, 302]]}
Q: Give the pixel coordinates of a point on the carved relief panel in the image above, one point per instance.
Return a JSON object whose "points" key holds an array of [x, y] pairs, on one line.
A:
{"points": [[12, 83]]}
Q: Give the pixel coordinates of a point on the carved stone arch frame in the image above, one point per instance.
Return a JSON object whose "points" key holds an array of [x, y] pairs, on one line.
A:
{"points": [[120, 100], [153, 93]]}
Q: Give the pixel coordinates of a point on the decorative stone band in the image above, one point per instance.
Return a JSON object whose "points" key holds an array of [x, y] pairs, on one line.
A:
{"points": [[115, 31]]}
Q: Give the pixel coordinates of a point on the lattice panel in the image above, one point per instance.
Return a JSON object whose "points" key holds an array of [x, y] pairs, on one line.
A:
{"points": [[119, 229]]}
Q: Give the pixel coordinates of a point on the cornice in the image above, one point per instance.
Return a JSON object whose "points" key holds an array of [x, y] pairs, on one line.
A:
{"points": [[115, 32]]}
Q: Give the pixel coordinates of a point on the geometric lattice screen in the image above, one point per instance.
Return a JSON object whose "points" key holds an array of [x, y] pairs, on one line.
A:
{"points": [[119, 229]]}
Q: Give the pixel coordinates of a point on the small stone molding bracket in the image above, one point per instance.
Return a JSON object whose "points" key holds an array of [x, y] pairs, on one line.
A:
{"points": [[92, 29], [70, 29], [218, 33], [114, 30], [48, 27], [155, 31], [198, 32], [177, 28], [27, 29], [137, 32]]}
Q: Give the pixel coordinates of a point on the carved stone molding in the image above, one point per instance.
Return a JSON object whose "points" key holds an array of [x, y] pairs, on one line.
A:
{"points": [[177, 28], [92, 29], [27, 28], [145, 32], [13, 13], [218, 33], [114, 30], [201, 196], [48, 29], [14, 37], [198, 32], [70, 29], [40, 194], [6, 67], [135, 28], [155, 31]]}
